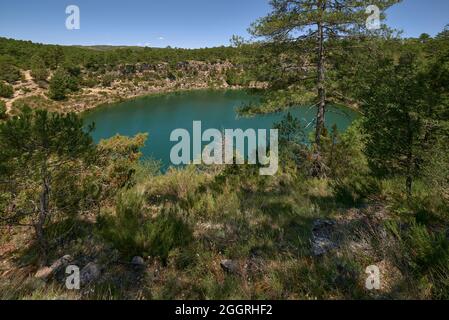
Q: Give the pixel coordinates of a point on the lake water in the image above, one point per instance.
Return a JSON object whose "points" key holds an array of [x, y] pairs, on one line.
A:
{"points": [[160, 115]]}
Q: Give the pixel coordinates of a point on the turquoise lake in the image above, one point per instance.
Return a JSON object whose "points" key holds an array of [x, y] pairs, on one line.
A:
{"points": [[160, 115]]}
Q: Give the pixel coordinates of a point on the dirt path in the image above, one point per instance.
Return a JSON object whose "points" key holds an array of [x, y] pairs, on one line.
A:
{"points": [[30, 87]]}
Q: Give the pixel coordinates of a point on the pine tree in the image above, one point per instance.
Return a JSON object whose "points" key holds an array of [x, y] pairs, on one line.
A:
{"points": [[313, 29], [34, 148], [38, 69], [405, 113], [6, 90], [58, 88]]}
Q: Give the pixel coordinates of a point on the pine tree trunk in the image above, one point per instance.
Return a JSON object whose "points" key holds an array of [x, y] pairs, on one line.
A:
{"points": [[410, 160], [43, 214], [318, 168], [320, 84]]}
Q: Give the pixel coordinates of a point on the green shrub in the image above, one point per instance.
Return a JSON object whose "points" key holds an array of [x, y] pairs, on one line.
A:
{"points": [[8, 72], [2, 110], [290, 129], [146, 169], [107, 80], [235, 77], [436, 170], [134, 234], [6, 91], [424, 255], [355, 190], [40, 74], [90, 82], [125, 230], [63, 82], [343, 153], [167, 232]]}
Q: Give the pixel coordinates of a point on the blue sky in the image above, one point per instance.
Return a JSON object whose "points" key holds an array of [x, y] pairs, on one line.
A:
{"points": [[178, 23]]}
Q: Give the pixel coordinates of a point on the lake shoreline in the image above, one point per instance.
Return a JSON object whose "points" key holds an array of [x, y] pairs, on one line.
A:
{"points": [[161, 93], [28, 92]]}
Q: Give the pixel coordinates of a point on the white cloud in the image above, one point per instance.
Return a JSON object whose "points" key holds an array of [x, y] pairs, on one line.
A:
{"points": [[161, 38]]}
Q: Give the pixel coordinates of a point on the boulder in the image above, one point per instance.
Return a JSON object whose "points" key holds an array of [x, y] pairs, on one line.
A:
{"points": [[90, 273], [230, 266], [322, 242], [138, 261], [321, 246]]}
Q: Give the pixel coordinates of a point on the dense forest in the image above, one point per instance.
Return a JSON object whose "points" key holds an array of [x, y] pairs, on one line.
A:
{"points": [[376, 194], [25, 55]]}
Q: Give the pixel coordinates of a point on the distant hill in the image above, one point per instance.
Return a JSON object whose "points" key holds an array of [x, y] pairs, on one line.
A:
{"points": [[108, 47]]}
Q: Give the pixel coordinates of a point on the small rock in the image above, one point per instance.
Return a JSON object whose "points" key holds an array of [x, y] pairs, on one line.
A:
{"points": [[138, 261], [323, 226], [90, 273], [321, 246], [229, 266], [48, 272], [322, 231]]}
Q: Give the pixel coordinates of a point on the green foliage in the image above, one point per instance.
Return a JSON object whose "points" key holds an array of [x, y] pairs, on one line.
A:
{"points": [[301, 37], [290, 129], [95, 58], [344, 152], [6, 91], [355, 190], [411, 121], [293, 143], [146, 169], [262, 223], [40, 74], [8, 71], [135, 234], [107, 80], [444, 35], [2, 110], [167, 232], [235, 77], [125, 230], [39, 70], [347, 165], [38, 147], [58, 86], [35, 102], [425, 256], [64, 81], [119, 156], [436, 172]]}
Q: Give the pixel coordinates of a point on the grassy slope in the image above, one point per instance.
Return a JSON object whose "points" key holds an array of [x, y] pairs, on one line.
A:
{"points": [[263, 224]]}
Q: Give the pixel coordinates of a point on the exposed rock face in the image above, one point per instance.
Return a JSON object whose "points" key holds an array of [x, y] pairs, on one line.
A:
{"points": [[90, 273], [321, 237], [48, 272]]}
